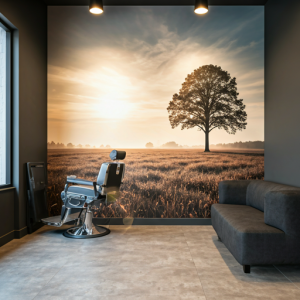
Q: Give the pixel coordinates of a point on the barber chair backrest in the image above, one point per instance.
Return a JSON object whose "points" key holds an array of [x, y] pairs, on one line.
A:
{"points": [[110, 177], [111, 173]]}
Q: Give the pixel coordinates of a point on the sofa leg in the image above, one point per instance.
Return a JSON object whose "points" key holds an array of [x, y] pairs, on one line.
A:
{"points": [[246, 268]]}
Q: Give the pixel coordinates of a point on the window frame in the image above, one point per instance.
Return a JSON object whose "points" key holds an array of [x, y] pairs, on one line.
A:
{"points": [[8, 128]]}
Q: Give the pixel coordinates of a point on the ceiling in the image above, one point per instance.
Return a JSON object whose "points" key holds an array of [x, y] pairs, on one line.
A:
{"points": [[157, 2]]}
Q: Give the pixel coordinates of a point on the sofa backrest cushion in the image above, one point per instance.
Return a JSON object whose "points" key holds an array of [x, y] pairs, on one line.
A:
{"points": [[257, 190], [282, 210]]}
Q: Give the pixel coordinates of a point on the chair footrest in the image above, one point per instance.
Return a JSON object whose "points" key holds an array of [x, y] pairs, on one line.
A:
{"points": [[56, 221]]}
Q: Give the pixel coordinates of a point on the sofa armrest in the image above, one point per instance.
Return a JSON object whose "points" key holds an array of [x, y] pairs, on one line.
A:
{"points": [[233, 191], [282, 210]]}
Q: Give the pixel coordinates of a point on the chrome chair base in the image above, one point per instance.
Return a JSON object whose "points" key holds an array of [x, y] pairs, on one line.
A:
{"points": [[83, 233], [88, 229]]}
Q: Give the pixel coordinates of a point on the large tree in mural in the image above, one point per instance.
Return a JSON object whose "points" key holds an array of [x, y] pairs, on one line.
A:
{"points": [[208, 99]]}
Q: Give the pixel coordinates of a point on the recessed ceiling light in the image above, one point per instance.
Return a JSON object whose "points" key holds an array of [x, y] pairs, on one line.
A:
{"points": [[96, 7], [201, 7]]}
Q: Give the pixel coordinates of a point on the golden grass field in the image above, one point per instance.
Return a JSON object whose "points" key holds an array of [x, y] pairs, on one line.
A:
{"points": [[158, 183]]}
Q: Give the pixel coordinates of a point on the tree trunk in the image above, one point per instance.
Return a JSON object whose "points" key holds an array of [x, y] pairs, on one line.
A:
{"points": [[206, 141]]}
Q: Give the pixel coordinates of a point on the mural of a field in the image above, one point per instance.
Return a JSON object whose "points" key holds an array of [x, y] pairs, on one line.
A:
{"points": [[158, 183], [182, 94]]}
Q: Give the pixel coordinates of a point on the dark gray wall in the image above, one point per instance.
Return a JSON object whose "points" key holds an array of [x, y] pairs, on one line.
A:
{"points": [[282, 120], [7, 208], [29, 100], [282, 96]]}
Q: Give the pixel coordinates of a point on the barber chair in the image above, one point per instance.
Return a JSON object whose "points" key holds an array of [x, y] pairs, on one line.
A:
{"points": [[81, 195]]}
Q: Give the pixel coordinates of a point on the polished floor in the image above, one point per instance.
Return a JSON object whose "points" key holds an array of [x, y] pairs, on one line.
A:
{"points": [[136, 262]]}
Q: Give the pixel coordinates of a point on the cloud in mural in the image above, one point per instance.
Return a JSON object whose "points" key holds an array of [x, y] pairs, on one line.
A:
{"points": [[113, 76]]}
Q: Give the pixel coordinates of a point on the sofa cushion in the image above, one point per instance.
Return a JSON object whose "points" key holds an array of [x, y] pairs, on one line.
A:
{"points": [[282, 210], [257, 190], [233, 191], [243, 231]]}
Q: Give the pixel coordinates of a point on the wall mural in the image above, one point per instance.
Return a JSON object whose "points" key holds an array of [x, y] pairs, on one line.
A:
{"points": [[182, 94]]}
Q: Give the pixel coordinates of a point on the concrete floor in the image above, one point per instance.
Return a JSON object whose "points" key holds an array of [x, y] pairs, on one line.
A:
{"points": [[136, 262]]}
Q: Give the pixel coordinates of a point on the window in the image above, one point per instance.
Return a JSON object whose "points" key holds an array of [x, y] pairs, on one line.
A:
{"points": [[5, 68]]}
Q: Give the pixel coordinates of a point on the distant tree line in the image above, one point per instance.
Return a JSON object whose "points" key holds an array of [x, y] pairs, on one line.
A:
{"points": [[242, 145], [54, 145], [236, 145]]}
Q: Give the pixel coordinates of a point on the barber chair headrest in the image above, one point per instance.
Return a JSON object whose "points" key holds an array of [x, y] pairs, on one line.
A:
{"points": [[117, 155]]}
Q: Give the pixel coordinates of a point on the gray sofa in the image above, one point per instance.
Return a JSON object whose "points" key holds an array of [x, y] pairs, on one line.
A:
{"points": [[259, 222]]}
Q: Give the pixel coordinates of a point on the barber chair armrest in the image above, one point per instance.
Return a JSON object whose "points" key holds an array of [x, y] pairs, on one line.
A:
{"points": [[81, 181]]}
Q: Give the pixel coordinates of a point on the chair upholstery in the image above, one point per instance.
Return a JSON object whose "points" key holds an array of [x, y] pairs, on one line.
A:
{"points": [[245, 234], [233, 191], [258, 189], [282, 211], [110, 177], [116, 155], [80, 190], [109, 180]]}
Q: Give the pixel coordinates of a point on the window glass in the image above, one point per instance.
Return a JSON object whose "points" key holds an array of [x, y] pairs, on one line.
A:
{"points": [[4, 109]]}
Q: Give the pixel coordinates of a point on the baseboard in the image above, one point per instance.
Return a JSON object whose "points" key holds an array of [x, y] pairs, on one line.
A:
{"points": [[18, 234], [152, 221], [7, 238], [14, 234]]}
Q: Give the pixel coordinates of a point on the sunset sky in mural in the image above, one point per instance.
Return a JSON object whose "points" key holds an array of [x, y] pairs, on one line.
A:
{"points": [[111, 77]]}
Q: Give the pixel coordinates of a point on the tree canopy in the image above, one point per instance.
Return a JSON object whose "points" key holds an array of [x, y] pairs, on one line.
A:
{"points": [[208, 99]]}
